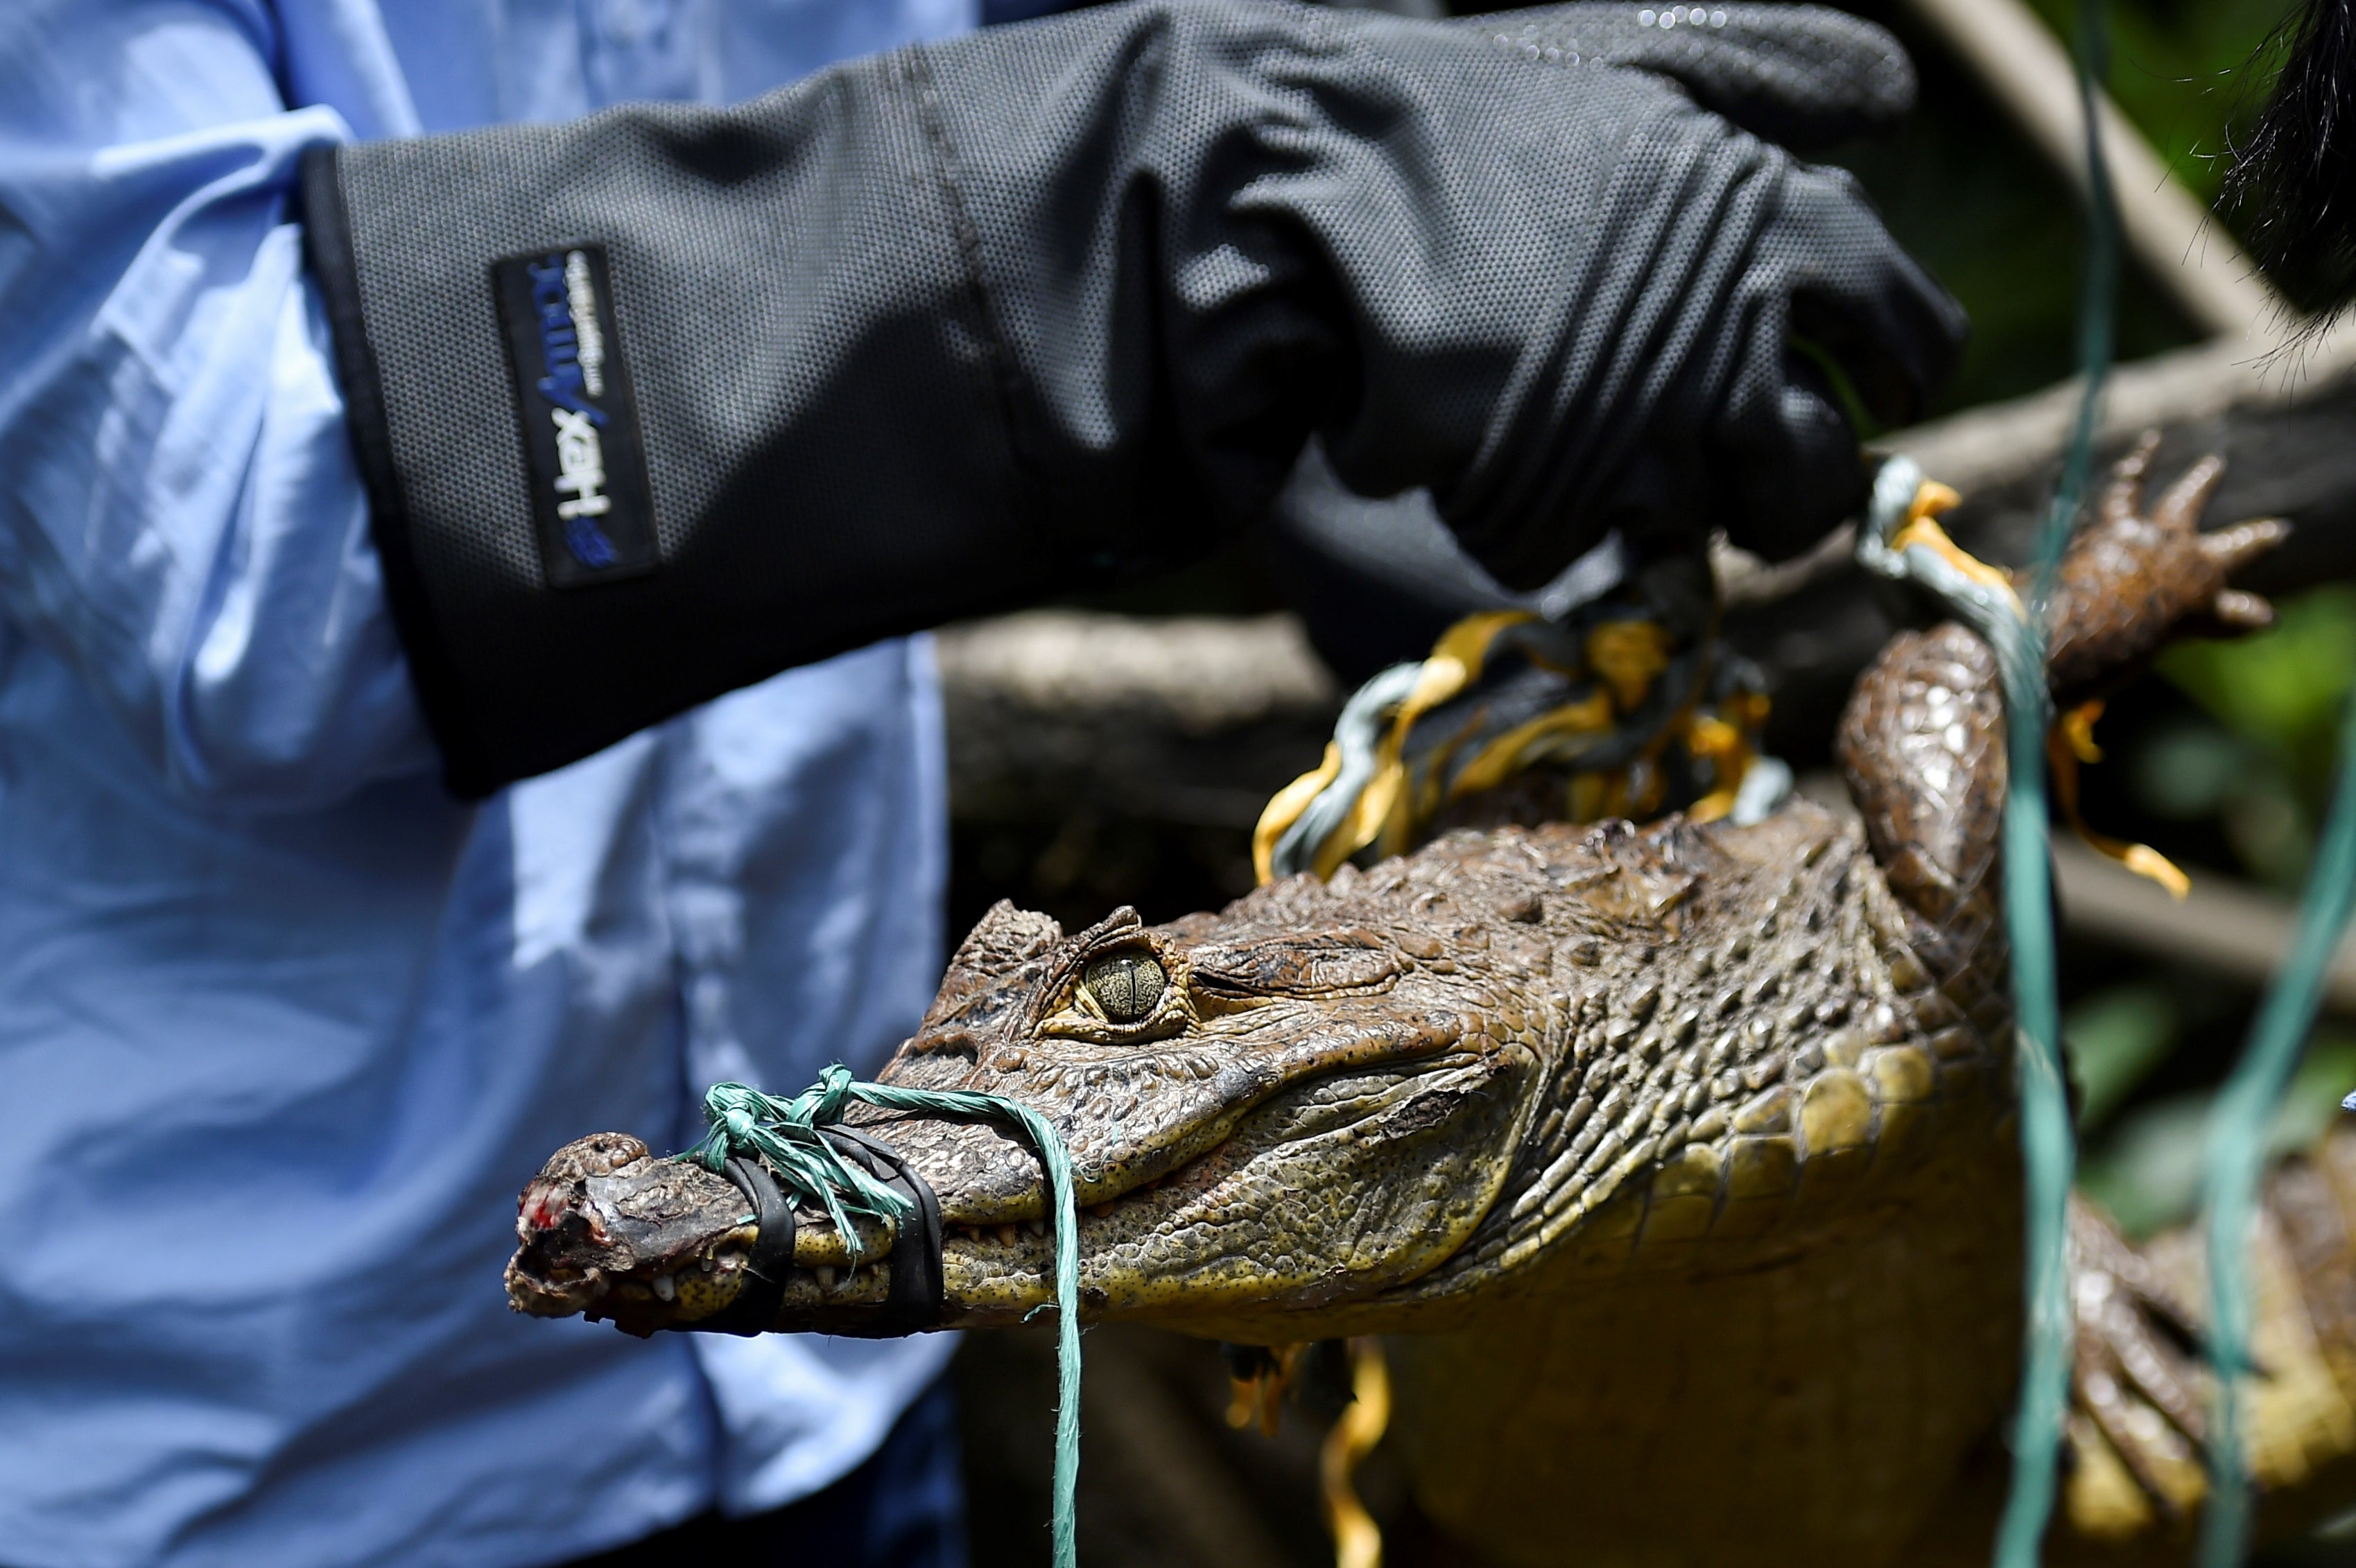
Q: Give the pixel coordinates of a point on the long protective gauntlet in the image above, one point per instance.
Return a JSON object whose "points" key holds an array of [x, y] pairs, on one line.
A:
{"points": [[654, 404]]}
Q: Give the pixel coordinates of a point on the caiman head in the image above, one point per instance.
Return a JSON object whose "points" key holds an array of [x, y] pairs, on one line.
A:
{"points": [[1337, 1107], [1272, 1110]]}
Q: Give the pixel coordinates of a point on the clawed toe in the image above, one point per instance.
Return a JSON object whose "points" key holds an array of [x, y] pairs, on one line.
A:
{"points": [[2123, 497], [2135, 1381], [2180, 510], [2233, 548], [2239, 612], [2133, 580]]}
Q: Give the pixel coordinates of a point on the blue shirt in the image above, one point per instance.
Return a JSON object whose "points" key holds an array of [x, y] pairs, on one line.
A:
{"points": [[283, 1029]]}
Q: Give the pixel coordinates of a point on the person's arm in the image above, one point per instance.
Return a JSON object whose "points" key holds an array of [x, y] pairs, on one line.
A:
{"points": [[654, 404], [180, 516]]}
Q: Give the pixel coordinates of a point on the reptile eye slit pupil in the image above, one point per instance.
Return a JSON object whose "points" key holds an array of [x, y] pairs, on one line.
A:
{"points": [[1125, 985]]}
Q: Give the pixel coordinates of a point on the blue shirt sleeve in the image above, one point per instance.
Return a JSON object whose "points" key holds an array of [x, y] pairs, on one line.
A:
{"points": [[180, 515]]}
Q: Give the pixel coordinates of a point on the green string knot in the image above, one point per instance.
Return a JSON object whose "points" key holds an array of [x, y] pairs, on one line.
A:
{"points": [[786, 1135]]}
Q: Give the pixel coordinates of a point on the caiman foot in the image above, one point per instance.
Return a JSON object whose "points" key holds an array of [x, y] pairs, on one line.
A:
{"points": [[1921, 741], [2135, 1427], [2138, 1430], [2131, 581]]}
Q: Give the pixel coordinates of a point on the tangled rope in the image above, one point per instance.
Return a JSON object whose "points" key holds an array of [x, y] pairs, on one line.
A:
{"points": [[786, 1135], [1615, 699]]}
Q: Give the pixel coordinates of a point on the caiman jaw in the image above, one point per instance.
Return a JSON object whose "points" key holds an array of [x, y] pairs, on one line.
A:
{"points": [[651, 1243], [1214, 1102]]}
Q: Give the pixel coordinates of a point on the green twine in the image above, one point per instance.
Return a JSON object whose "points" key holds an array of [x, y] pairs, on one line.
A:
{"points": [[2048, 1148], [2048, 1144], [2236, 1149], [786, 1134]]}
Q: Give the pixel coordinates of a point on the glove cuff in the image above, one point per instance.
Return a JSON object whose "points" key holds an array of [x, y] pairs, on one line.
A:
{"points": [[328, 246], [635, 425]]}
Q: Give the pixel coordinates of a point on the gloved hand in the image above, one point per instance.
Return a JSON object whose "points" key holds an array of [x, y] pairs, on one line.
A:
{"points": [[654, 404]]}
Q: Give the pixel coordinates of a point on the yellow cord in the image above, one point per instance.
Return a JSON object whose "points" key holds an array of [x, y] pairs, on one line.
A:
{"points": [[1358, 1538], [1259, 1400], [1287, 804], [1931, 498], [1383, 809], [1625, 658], [2070, 742]]}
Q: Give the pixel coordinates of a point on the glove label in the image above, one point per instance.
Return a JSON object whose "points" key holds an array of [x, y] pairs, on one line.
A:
{"points": [[590, 503]]}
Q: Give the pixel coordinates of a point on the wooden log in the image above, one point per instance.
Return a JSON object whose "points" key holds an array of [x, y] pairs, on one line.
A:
{"points": [[2222, 927], [1193, 720]]}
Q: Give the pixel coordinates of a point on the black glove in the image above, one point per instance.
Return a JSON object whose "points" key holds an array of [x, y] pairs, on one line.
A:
{"points": [[658, 403]]}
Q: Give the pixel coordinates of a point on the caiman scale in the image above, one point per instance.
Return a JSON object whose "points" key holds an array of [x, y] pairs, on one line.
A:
{"points": [[1679, 1161]]}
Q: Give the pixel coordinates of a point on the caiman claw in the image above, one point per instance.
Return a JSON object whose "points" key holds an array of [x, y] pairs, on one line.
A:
{"points": [[2136, 580], [2135, 1427]]}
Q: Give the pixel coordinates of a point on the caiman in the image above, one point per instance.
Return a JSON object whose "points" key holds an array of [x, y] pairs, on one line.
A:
{"points": [[1678, 1162]]}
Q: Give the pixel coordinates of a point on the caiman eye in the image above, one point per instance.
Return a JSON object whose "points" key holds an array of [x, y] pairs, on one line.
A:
{"points": [[1125, 985]]}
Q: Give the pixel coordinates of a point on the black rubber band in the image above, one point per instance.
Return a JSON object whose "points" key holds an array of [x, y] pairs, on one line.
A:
{"points": [[919, 1297], [755, 1310]]}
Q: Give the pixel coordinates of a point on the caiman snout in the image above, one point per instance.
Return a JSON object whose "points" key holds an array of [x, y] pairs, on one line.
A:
{"points": [[1237, 1101]]}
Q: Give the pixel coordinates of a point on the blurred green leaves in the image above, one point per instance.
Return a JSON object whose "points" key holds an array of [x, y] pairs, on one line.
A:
{"points": [[2115, 1038], [2145, 1171], [2261, 759], [2285, 688]]}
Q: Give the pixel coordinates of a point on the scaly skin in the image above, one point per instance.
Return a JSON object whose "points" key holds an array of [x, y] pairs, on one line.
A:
{"points": [[1680, 1160]]}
